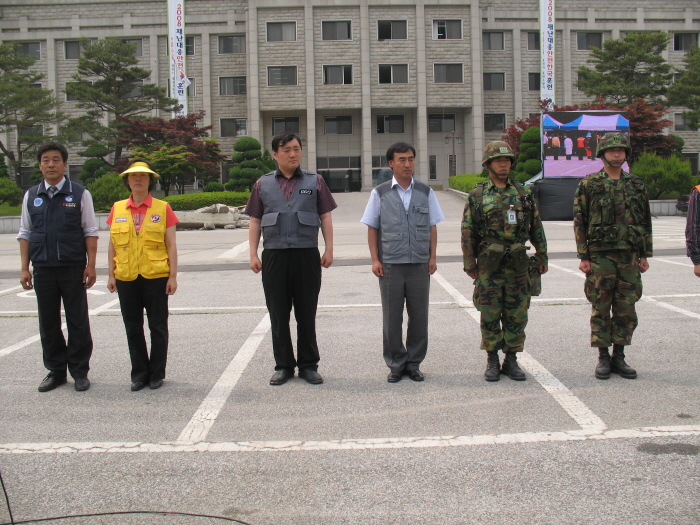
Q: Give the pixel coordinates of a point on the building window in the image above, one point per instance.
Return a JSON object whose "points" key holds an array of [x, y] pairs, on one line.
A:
{"points": [[337, 74], [32, 131], [232, 85], [36, 85], [432, 167], [587, 41], [389, 123], [447, 29], [282, 76], [679, 122], [336, 30], [533, 40], [693, 159], [74, 171], [448, 73], [135, 92], [393, 73], [71, 49], [338, 125], [533, 81], [285, 125], [494, 81], [281, 31], [231, 44], [494, 122], [139, 45], [441, 123], [189, 45], [68, 97], [684, 41], [234, 127], [392, 30], [493, 41], [192, 88], [32, 49]]}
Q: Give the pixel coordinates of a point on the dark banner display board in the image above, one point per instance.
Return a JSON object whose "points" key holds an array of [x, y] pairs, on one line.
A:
{"points": [[570, 138]]}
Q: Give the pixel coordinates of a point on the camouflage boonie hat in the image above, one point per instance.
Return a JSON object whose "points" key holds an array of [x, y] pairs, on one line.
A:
{"points": [[613, 140], [497, 149]]}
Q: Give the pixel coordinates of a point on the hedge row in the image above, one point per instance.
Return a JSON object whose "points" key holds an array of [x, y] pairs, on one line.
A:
{"points": [[194, 201], [466, 183]]}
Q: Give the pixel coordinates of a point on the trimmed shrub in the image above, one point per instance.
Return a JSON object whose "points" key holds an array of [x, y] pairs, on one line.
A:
{"points": [[10, 192], [465, 183], [664, 175], [194, 201], [213, 186], [107, 190]]}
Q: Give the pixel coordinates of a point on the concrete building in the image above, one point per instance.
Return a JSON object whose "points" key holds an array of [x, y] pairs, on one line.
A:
{"points": [[354, 76]]}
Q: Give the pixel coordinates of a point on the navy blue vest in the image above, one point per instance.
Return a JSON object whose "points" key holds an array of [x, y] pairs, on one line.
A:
{"points": [[56, 238]]}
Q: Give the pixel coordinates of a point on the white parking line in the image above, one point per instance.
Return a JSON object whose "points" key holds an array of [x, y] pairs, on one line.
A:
{"points": [[671, 307], [673, 262], [346, 444], [578, 273], [573, 406], [205, 416], [234, 252], [8, 290]]}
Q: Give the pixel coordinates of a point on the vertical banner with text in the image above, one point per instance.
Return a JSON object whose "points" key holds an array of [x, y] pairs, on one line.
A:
{"points": [[176, 36], [547, 51]]}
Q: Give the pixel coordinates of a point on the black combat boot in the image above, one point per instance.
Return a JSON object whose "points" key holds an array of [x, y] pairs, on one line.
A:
{"points": [[492, 366], [511, 368], [602, 369], [618, 365]]}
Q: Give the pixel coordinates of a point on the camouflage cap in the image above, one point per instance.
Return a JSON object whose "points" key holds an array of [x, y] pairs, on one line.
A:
{"points": [[613, 140], [496, 149]]}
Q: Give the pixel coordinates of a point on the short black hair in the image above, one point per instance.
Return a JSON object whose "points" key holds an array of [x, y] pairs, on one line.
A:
{"points": [[399, 147], [282, 138], [151, 178], [53, 146]]}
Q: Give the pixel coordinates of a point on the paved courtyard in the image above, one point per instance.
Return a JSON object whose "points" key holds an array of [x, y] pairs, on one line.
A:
{"points": [[217, 440]]}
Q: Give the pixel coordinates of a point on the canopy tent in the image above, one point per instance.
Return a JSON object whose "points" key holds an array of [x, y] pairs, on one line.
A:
{"points": [[550, 123], [598, 123]]}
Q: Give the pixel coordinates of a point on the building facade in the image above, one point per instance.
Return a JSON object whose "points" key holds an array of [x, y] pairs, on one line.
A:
{"points": [[354, 76]]}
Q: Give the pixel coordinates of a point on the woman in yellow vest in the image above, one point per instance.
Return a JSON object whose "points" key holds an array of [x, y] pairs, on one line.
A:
{"points": [[143, 270]]}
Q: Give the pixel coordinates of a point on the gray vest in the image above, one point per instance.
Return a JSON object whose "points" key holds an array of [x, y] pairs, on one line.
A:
{"points": [[404, 235], [292, 223]]}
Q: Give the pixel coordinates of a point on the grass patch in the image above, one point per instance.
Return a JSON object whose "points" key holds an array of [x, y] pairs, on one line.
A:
{"points": [[10, 211]]}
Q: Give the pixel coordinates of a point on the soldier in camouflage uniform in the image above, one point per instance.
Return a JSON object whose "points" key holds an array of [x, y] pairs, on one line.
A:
{"points": [[500, 216], [612, 224]]}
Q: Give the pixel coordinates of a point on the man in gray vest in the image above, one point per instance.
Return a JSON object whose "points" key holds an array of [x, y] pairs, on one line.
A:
{"points": [[401, 218], [58, 234], [288, 206]]}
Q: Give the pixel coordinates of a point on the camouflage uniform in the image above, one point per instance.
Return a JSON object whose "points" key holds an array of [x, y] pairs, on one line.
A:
{"points": [[612, 224], [501, 295]]}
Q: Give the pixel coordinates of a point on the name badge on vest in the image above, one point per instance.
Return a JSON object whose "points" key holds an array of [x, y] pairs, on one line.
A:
{"points": [[305, 192], [120, 219], [512, 217], [38, 201]]}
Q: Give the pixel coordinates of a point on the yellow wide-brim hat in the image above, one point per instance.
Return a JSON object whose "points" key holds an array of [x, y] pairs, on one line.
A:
{"points": [[139, 167]]}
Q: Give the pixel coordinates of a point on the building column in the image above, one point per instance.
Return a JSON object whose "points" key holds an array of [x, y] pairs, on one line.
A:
{"points": [[565, 68], [310, 87], [517, 75], [366, 128], [422, 164], [476, 140], [206, 80], [255, 127]]}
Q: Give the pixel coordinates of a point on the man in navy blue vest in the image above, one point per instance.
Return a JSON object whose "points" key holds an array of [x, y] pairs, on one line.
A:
{"points": [[288, 206], [58, 234], [401, 218]]}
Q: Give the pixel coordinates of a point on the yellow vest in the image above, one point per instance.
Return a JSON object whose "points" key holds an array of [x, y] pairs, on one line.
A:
{"points": [[144, 254]]}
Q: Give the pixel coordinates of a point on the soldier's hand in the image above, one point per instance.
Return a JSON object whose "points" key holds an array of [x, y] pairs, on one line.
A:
{"points": [[26, 280], [643, 264], [473, 274], [543, 269], [585, 266]]}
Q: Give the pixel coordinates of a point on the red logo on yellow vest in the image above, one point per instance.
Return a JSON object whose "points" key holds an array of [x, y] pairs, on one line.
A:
{"points": [[155, 217]]}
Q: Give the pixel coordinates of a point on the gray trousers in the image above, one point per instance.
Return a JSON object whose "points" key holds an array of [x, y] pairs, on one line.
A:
{"points": [[409, 283]]}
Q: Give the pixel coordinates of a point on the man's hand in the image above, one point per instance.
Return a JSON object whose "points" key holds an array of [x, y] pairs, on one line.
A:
{"points": [[432, 265], [697, 270], [585, 266], [327, 259], [89, 276], [377, 269], [643, 264], [26, 280], [255, 264]]}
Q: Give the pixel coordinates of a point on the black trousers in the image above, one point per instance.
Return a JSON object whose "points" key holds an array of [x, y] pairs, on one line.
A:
{"points": [[134, 296], [292, 277], [53, 285]]}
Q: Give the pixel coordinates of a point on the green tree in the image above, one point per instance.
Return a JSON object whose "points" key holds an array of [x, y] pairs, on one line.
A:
{"points": [[268, 161], [93, 169], [247, 164], [9, 192], [685, 91], [529, 163], [4, 173], [107, 190], [110, 83], [664, 175], [628, 68], [171, 163], [27, 111]]}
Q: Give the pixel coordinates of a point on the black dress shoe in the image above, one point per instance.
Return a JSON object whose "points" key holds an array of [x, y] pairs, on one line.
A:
{"points": [[82, 384], [415, 375], [156, 384], [137, 385], [311, 376], [281, 377], [394, 377], [51, 381]]}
